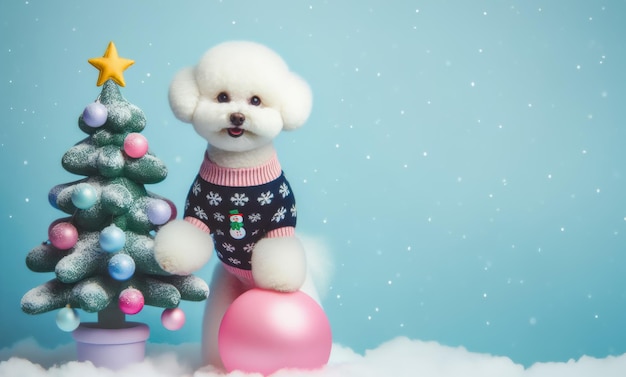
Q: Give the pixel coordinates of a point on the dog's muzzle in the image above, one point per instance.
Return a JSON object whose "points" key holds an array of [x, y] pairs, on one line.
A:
{"points": [[237, 120]]}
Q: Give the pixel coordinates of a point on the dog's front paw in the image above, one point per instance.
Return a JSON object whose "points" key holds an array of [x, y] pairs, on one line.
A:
{"points": [[279, 264], [181, 248]]}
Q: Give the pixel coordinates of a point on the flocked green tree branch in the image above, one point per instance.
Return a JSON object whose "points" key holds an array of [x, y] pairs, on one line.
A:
{"points": [[103, 249]]}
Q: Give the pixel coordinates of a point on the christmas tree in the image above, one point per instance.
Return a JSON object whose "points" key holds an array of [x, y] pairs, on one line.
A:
{"points": [[102, 253]]}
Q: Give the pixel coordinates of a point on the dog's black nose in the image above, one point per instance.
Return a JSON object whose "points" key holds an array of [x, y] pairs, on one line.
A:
{"points": [[237, 119]]}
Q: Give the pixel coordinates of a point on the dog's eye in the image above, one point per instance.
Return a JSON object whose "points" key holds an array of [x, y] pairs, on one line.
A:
{"points": [[255, 101], [223, 97]]}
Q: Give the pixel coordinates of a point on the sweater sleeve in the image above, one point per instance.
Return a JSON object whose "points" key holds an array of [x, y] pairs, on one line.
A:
{"points": [[199, 224], [286, 231], [284, 216], [194, 209]]}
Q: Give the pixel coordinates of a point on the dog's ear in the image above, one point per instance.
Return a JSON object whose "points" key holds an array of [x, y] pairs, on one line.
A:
{"points": [[296, 103], [184, 94]]}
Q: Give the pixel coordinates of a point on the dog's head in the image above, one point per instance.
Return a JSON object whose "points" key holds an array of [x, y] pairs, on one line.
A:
{"points": [[240, 96]]}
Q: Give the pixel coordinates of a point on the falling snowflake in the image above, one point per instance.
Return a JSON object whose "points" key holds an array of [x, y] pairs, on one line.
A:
{"points": [[248, 248], [239, 199], [200, 213], [196, 189], [234, 260], [214, 198], [219, 217], [279, 215], [293, 210], [255, 232], [265, 198], [284, 190], [254, 217], [228, 247], [186, 204], [219, 232]]}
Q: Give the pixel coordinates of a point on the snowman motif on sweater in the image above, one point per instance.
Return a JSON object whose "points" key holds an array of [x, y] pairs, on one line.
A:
{"points": [[237, 231]]}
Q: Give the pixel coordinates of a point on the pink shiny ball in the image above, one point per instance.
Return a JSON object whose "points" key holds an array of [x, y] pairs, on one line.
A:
{"points": [[131, 301], [264, 331], [135, 145], [63, 235], [173, 319]]}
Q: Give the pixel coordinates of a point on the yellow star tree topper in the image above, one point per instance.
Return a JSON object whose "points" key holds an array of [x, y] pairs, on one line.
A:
{"points": [[111, 66]]}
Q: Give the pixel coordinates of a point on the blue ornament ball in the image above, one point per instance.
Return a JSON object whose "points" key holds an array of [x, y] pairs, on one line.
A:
{"points": [[53, 195], [112, 239], [159, 212], [121, 267], [67, 319], [84, 196], [95, 114]]}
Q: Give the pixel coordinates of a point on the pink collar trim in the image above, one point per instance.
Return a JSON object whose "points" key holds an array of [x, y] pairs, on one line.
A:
{"points": [[240, 177]]}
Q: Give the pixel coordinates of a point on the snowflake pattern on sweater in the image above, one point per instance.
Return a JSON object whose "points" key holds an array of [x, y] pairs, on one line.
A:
{"points": [[238, 217]]}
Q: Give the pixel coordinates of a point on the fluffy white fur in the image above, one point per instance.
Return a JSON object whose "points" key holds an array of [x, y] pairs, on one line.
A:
{"points": [[241, 70], [180, 238], [279, 263]]}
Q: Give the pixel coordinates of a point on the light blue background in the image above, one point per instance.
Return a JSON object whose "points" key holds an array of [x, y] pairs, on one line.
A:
{"points": [[463, 162]]}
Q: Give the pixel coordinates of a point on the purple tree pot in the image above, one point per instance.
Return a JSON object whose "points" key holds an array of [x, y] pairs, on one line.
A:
{"points": [[111, 348]]}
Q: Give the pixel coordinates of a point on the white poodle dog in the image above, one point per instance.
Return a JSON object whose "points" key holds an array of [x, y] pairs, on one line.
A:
{"points": [[239, 97]]}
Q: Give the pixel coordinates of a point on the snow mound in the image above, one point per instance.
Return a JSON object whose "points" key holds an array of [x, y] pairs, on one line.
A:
{"points": [[397, 357]]}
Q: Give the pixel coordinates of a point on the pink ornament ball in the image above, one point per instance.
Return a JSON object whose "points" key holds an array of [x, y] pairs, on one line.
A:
{"points": [[264, 331], [173, 319], [131, 301], [95, 114], [135, 145], [63, 235], [58, 221]]}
